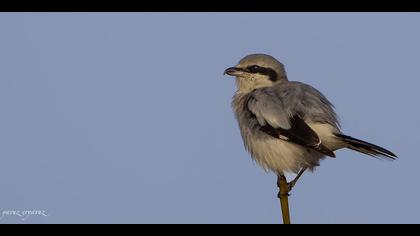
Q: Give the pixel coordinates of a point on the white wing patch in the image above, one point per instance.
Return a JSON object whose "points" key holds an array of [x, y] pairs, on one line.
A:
{"points": [[283, 137]]}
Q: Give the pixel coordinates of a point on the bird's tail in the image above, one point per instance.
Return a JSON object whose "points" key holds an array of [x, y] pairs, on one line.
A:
{"points": [[366, 148]]}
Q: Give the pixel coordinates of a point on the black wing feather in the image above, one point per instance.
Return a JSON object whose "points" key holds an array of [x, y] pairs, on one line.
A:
{"points": [[299, 133]]}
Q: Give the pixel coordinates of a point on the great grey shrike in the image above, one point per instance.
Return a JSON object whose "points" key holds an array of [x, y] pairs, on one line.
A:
{"points": [[287, 126]]}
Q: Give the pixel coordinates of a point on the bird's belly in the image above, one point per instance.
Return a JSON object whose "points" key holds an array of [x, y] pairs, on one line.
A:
{"points": [[281, 156]]}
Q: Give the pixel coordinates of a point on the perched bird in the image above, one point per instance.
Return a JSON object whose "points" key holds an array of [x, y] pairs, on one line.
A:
{"points": [[287, 126]]}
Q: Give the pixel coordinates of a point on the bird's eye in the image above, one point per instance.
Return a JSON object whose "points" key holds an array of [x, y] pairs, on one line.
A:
{"points": [[254, 68]]}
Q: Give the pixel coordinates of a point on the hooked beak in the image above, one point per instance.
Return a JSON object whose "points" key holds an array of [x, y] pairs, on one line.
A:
{"points": [[234, 71]]}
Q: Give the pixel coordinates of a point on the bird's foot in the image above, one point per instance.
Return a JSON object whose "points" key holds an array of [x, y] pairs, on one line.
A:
{"points": [[291, 184], [289, 189]]}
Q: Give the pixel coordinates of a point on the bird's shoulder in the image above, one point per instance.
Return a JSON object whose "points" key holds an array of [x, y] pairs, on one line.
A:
{"points": [[290, 93], [297, 98], [295, 88], [285, 89]]}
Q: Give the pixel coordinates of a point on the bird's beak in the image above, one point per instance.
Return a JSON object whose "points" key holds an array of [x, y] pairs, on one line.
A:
{"points": [[233, 71]]}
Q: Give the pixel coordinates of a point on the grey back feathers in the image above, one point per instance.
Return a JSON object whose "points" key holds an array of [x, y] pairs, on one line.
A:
{"points": [[277, 104], [309, 103]]}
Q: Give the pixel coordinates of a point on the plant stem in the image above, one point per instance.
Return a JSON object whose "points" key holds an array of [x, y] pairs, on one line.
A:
{"points": [[284, 198]]}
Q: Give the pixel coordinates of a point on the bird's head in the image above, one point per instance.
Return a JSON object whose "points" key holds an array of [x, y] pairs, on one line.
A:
{"points": [[257, 71]]}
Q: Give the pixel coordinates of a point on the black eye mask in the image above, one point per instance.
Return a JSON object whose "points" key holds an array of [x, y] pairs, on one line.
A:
{"points": [[263, 71]]}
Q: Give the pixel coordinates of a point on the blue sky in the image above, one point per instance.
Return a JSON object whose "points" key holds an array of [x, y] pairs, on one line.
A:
{"points": [[126, 117]]}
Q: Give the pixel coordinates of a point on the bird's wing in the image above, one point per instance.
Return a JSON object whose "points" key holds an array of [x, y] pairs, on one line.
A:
{"points": [[283, 124]]}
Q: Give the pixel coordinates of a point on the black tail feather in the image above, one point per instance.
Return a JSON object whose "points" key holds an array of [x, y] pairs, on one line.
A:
{"points": [[366, 148]]}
